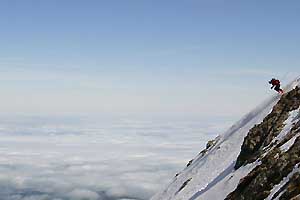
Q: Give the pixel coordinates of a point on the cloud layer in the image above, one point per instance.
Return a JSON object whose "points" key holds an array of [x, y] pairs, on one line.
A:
{"points": [[107, 160]]}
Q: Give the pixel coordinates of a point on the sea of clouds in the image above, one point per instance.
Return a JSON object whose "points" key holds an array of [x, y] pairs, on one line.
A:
{"points": [[115, 158]]}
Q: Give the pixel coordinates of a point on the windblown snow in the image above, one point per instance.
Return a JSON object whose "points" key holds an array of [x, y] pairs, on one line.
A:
{"points": [[211, 174]]}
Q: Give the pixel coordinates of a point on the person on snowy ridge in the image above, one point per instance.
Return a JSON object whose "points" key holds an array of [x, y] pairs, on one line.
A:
{"points": [[276, 83]]}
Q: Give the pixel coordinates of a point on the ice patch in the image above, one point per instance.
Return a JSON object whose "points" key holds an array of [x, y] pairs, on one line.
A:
{"points": [[291, 120], [286, 146]]}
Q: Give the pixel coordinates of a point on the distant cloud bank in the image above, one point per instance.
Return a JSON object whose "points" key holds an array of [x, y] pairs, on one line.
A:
{"points": [[118, 160]]}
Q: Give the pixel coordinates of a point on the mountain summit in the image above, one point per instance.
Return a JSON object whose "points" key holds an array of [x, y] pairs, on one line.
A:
{"points": [[257, 158]]}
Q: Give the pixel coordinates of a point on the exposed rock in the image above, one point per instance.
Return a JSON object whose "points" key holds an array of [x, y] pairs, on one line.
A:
{"points": [[209, 145], [275, 163], [296, 197], [258, 184], [292, 188], [189, 163], [261, 135], [183, 185]]}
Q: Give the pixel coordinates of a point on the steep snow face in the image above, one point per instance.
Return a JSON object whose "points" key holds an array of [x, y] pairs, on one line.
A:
{"points": [[211, 174]]}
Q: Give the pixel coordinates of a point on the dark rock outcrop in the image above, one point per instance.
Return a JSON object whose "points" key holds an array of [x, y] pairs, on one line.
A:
{"points": [[209, 145], [261, 135], [276, 164], [291, 190], [183, 185]]}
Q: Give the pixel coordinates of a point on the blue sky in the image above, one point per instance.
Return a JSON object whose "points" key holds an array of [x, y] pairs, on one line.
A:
{"points": [[177, 57]]}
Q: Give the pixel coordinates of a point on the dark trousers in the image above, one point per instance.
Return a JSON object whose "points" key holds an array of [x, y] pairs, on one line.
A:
{"points": [[277, 88]]}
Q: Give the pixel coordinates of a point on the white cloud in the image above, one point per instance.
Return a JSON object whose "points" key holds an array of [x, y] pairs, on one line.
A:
{"points": [[81, 194], [112, 160]]}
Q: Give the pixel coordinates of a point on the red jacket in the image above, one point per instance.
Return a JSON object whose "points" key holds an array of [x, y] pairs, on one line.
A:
{"points": [[275, 82]]}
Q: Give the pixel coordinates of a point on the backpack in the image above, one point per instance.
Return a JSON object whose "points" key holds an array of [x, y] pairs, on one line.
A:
{"points": [[275, 82]]}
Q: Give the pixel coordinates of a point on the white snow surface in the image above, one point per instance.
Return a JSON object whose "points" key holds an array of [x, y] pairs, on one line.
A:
{"points": [[286, 146], [293, 118], [212, 175]]}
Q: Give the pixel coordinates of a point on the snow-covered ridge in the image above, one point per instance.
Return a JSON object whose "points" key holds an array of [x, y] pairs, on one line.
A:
{"points": [[212, 174]]}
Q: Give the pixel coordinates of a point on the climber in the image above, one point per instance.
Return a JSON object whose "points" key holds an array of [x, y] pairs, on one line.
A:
{"points": [[276, 83]]}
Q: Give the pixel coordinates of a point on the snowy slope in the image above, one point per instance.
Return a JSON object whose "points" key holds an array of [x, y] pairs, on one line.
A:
{"points": [[211, 175]]}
